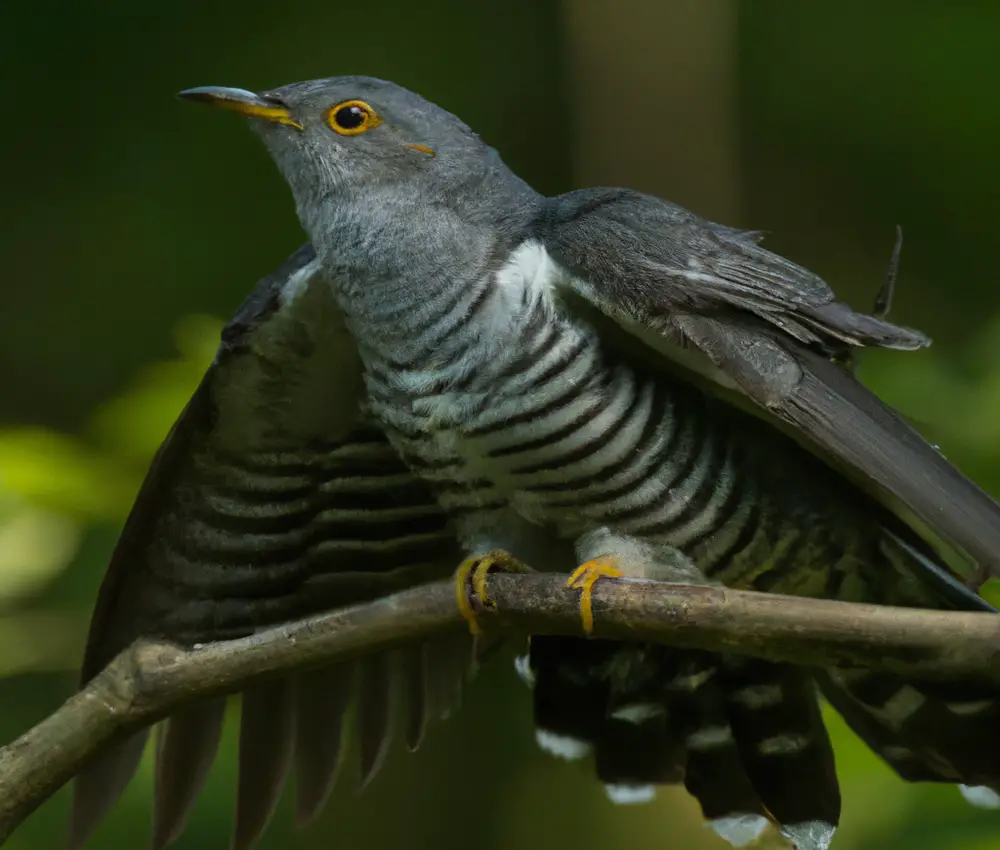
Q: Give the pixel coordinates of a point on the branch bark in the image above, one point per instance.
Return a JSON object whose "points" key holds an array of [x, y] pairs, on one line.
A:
{"points": [[150, 679]]}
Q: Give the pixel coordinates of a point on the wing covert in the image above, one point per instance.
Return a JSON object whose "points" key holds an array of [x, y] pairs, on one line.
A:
{"points": [[770, 329]]}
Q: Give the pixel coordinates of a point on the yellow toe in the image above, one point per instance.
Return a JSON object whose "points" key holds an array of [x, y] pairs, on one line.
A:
{"points": [[472, 576], [469, 570], [583, 578]]}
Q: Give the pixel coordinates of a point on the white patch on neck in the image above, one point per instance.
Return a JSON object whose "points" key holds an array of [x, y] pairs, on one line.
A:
{"points": [[529, 269], [562, 746]]}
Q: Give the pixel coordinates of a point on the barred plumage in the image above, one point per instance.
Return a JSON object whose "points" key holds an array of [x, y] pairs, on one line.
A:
{"points": [[463, 364], [571, 433]]}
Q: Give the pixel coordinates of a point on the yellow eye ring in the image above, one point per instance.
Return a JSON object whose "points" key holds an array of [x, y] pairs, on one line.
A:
{"points": [[352, 118]]}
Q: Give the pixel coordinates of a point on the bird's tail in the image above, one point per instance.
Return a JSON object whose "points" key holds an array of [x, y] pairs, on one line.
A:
{"points": [[745, 737], [926, 731]]}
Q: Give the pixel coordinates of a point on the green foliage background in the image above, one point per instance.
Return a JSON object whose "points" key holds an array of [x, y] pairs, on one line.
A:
{"points": [[133, 225]]}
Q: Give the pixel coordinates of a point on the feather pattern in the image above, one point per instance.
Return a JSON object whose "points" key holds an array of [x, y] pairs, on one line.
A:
{"points": [[570, 430], [187, 747], [270, 499], [322, 699], [267, 736], [405, 395]]}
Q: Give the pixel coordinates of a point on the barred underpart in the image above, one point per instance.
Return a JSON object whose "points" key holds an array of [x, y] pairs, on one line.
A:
{"points": [[570, 433]]}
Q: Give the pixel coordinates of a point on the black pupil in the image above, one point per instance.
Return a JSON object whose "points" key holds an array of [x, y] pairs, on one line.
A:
{"points": [[350, 117]]}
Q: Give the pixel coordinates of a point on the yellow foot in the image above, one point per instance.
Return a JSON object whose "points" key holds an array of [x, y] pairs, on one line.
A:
{"points": [[471, 580], [584, 578]]}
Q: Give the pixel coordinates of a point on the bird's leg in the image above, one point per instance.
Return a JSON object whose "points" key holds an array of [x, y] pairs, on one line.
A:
{"points": [[607, 555], [470, 582]]}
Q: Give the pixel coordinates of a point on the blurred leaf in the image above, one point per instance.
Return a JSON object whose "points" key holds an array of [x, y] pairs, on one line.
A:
{"points": [[63, 474], [52, 485], [35, 544], [39, 641], [98, 480], [990, 591], [960, 406], [134, 424]]}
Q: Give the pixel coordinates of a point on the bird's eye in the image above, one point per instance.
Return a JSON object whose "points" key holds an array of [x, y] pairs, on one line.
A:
{"points": [[352, 117]]}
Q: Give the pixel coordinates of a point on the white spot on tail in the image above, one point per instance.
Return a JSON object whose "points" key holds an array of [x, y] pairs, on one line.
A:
{"points": [[969, 707], [809, 835], [638, 712], [980, 796], [902, 705], [562, 746], [893, 752], [627, 795], [758, 696], [710, 737], [783, 745], [522, 664], [847, 676], [739, 830], [691, 681]]}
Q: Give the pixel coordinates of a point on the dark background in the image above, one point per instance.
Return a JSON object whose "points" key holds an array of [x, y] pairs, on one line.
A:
{"points": [[132, 224]]}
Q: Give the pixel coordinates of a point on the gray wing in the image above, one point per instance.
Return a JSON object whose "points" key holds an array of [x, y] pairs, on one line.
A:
{"points": [[271, 499], [713, 299]]}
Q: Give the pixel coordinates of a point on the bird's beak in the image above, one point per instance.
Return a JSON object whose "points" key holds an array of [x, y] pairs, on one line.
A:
{"points": [[242, 101]]}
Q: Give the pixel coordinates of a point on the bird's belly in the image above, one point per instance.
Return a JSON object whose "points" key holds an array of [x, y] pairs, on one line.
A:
{"points": [[594, 445]]}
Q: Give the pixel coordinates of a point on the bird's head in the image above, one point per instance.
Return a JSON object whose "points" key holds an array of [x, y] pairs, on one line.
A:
{"points": [[349, 135]]}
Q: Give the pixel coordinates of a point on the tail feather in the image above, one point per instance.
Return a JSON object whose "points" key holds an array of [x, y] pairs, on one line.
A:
{"points": [[448, 663], [374, 714], [880, 738], [714, 774], [322, 698], [413, 661], [570, 697], [784, 746], [100, 784], [631, 756], [925, 731], [187, 746], [267, 738], [745, 737], [651, 716]]}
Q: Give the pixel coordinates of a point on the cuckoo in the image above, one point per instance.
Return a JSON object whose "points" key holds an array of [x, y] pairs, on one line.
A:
{"points": [[601, 383]]}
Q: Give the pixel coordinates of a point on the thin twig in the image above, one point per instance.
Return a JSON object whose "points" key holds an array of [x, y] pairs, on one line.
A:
{"points": [[150, 679]]}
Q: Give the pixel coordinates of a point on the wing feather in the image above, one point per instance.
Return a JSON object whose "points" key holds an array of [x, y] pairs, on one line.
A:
{"points": [[271, 498], [716, 301]]}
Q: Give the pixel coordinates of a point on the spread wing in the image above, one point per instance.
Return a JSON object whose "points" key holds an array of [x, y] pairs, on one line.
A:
{"points": [[752, 322], [270, 499]]}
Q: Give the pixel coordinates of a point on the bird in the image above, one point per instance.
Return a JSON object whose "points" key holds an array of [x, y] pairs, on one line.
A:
{"points": [[600, 383]]}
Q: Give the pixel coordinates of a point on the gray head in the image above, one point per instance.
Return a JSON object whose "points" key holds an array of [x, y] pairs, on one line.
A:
{"points": [[350, 135]]}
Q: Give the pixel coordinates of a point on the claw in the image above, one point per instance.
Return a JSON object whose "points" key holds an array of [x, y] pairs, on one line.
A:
{"points": [[475, 571], [465, 570], [584, 578]]}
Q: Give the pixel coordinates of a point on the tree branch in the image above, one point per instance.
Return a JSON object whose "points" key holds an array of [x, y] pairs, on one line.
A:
{"points": [[150, 679]]}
